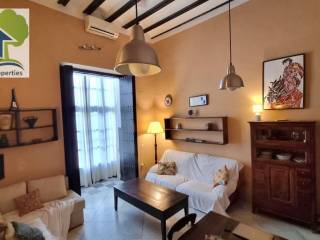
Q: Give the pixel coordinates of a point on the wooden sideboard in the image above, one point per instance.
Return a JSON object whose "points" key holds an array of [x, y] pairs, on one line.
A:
{"points": [[285, 188]]}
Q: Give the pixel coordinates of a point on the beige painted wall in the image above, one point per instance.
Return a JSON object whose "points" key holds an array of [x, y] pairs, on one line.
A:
{"points": [[195, 60], [54, 38]]}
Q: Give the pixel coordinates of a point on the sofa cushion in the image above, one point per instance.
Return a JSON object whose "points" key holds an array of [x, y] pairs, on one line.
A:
{"points": [[167, 168], [28, 202], [221, 177], [182, 160], [8, 194], [51, 188], [24, 231], [168, 181]]}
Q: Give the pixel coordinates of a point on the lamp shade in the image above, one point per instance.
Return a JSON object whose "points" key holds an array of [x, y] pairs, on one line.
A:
{"points": [[231, 81], [154, 128], [137, 57], [257, 108]]}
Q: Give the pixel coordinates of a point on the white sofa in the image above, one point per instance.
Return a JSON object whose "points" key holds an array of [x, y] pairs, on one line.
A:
{"points": [[195, 173], [51, 189]]}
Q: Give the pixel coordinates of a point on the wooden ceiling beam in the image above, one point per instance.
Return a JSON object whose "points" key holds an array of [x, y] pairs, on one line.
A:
{"points": [[175, 15], [93, 6], [121, 10], [193, 18], [148, 13], [63, 2]]}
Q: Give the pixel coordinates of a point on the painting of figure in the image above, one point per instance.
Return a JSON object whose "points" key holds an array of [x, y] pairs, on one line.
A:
{"points": [[283, 83]]}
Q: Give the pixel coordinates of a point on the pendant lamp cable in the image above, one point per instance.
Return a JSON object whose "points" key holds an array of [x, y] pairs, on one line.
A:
{"points": [[137, 22], [230, 43]]}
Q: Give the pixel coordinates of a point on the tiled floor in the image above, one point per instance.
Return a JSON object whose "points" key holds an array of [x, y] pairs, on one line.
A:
{"points": [[103, 223]]}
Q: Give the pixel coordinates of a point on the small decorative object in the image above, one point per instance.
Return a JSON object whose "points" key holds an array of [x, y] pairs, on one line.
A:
{"points": [[4, 142], [284, 156], [295, 136], [210, 126], [304, 136], [179, 126], [90, 47], [1, 166], [189, 139], [198, 100], [31, 121], [199, 141], [299, 159], [5, 121], [190, 112], [168, 100], [14, 104], [257, 109], [283, 82], [266, 154]]}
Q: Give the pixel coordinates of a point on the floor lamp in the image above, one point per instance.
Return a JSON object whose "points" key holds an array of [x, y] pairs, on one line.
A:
{"points": [[155, 128]]}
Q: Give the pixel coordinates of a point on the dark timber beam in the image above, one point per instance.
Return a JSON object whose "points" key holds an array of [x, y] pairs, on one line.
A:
{"points": [[200, 15], [175, 15], [63, 2], [121, 10], [93, 6], [149, 12]]}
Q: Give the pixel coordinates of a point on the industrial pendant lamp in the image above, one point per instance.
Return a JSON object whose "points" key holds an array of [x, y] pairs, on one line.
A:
{"points": [[231, 81], [137, 57]]}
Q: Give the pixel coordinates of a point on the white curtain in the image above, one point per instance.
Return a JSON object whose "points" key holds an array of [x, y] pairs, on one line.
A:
{"points": [[97, 100]]}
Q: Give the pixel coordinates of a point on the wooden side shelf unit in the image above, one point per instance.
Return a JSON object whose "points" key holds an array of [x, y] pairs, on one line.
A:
{"points": [[20, 134], [205, 130], [284, 170]]}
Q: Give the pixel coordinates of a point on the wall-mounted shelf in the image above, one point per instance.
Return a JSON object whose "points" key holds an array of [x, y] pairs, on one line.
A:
{"points": [[45, 129], [195, 129]]}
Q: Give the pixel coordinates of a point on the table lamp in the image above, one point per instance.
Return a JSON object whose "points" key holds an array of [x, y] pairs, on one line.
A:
{"points": [[257, 109], [155, 128]]}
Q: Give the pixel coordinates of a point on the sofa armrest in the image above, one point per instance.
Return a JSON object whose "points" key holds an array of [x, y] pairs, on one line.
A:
{"points": [[153, 169]]}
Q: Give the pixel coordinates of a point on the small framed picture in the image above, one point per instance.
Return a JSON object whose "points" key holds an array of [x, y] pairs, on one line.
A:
{"points": [[5, 121], [284, 82], [200, 100]]}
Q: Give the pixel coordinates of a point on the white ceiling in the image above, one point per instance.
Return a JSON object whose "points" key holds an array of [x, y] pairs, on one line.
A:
{"points": [[76, 7]]}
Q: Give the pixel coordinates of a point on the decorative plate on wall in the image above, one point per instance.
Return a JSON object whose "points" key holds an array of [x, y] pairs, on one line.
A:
{"points": [[168, 100]]}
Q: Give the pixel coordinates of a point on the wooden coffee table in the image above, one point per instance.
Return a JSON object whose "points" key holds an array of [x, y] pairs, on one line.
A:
{"points": [[216, 224], [158, 201]]}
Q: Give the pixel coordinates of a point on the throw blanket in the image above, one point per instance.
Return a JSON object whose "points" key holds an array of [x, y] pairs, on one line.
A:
{"points": [[57, 217]]}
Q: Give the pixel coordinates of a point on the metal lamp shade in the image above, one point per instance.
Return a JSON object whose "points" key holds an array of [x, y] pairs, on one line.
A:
{"points": [[137, 57], [232, 81]]}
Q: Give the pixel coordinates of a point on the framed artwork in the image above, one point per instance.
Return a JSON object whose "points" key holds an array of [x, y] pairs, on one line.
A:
{"points": [[284, 82], [200, 100]]}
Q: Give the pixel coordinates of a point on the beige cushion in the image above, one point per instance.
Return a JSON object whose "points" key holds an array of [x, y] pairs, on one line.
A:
{"points": [[8, 194], [167, 168], [51, 188], [29, 202]]}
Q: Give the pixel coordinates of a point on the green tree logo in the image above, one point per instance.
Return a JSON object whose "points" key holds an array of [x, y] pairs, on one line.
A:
{"points": [[14, 31]]}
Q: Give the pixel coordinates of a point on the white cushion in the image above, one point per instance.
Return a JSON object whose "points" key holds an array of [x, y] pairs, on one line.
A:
{"points": [[182, 160], [169, 181], [8, 194], [51, 188]]}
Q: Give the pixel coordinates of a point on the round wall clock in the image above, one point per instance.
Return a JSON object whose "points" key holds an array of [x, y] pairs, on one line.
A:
{"points": [[168, 100]]}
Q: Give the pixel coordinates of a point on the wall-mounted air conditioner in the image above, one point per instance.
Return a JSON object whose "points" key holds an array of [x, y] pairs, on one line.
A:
{"points": [[100, 27]]}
